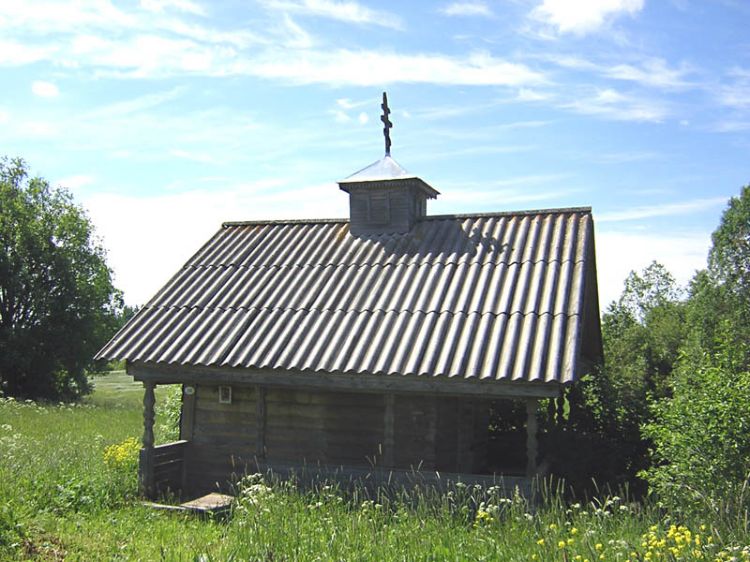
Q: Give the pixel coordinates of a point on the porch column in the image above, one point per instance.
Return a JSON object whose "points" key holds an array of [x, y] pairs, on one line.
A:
{"points": [[531, 441], [146, 465], [260, 422], [389, 430]]}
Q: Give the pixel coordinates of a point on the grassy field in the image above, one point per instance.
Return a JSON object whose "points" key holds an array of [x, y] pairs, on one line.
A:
{"points": [[68, 492]]}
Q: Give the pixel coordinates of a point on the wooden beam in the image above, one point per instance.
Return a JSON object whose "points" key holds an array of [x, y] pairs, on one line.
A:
{"points": [[389, 430], [532, 448], [187, 414], [146, 460], [424, 385], [260, 421]]}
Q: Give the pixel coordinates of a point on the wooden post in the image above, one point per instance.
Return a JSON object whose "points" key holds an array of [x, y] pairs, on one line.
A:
{"points": [[187, 414], [531, 437], [146, 465], [187, 425], [461, 435], [389, 430], [260, 421]]}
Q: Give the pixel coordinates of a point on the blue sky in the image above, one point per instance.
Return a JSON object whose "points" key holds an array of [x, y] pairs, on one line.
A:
{"points": [[166, 117]]}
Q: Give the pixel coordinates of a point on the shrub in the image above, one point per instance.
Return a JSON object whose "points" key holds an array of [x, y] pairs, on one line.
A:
{"points": [[700, 436]]}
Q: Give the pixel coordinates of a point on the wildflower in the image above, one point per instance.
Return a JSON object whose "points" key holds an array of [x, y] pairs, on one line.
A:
{"points": [[122, 455]]}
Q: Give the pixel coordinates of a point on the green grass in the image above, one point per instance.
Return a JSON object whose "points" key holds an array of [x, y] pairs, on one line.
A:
{"points": [[59, 499]]}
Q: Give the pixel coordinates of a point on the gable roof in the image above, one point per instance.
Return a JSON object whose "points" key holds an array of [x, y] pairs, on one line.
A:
{"points": [[501, 296]]}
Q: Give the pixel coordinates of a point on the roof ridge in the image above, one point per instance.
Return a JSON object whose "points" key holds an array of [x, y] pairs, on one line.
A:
{"points": [[361, 311], [425, 263], [557, 210]]}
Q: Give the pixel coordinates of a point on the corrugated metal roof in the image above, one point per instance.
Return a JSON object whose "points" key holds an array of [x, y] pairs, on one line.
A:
{"points": [[490, 296]]}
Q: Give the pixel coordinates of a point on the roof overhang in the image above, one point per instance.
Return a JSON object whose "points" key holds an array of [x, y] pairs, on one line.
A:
{"points": [[361, 382]]}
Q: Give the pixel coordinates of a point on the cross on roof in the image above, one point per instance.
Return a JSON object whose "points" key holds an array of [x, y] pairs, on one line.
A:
{"points": [[386, 125]]}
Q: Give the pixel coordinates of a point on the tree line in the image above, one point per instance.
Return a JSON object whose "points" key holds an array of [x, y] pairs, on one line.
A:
{"points": [[668, 412]]}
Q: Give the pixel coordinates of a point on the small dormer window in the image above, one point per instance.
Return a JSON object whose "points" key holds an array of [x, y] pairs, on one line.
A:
{"points": [[379, 211]]}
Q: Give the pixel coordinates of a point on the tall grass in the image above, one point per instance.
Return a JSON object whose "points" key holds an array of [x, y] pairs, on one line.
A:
{"points": [[62, 497]]}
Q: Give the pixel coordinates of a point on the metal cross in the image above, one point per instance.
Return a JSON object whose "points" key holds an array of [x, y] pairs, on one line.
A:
{"points": [[386, 125]]}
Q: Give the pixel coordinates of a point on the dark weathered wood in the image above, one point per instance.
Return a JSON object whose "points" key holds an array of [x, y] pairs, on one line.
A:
{"points": [[168, 467], [187, 417], [463, 437], [260, 421], [308, 380], [531, 437], [389, 433], [146, 457], [149, 399]]}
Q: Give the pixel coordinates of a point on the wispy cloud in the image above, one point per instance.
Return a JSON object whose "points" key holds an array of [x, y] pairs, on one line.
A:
{"points": [[467, 9], [583, 16], [611, 104], [134, 45], [76, 182], [668, 209], [432, 155], [374, 68], [133, 105], [17, 53], [179, 5], [519, 191], [736, 92], [44, 89], [348, 11], [622, 157], [653, 72], [731, 126], [346, 103]]}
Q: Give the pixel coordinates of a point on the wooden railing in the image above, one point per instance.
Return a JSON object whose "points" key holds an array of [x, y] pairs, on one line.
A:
{"points": [[162, 468]]}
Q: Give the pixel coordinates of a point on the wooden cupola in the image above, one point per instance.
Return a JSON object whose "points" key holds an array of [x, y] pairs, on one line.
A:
{"points": [[383, 197]]}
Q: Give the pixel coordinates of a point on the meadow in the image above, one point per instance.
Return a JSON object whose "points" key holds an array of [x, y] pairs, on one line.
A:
{"points": [[68, 491]]}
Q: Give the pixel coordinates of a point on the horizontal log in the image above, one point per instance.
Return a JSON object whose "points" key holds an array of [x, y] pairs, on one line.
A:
{"points": [[399, 384], [172, 445], [168, 464], [217, 416], [245, 408], [306, 397]]}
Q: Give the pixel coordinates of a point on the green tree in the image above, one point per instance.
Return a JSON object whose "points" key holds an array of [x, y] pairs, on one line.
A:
{"points": [[701, 449], [720, 295], [642, 334], [57, 301], [729, 258]]}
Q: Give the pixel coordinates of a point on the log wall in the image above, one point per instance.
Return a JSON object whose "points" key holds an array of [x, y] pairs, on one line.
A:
{"points": [[267, 426]]}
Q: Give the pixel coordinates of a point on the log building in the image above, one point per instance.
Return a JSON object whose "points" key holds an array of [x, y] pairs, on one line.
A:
{"points": [[373, 343]]}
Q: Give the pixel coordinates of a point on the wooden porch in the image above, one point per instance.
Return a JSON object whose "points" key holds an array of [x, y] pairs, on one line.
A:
{"points": [[187, 468]]}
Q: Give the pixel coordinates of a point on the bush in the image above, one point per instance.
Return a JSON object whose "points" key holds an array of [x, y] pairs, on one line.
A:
{"points": [[700, 437]]}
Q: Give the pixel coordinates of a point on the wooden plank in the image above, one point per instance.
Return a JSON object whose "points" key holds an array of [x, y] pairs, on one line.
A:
{"points": [[331, 411], [187, 414], [260, 422], [169, 374], [217, 416], [531, 437]]}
